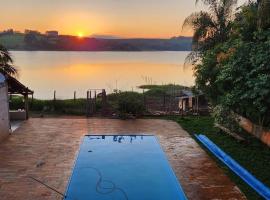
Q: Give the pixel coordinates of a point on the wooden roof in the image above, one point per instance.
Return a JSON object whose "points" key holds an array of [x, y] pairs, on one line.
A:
{"points": [[16, 87]]}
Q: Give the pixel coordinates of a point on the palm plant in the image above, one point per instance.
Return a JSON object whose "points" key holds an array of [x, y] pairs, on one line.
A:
{"points": [[210, 27], [6, 63]]}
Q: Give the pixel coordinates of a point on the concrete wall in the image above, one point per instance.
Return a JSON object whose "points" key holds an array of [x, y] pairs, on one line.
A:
{"points": [[17, 115], [4, 112]]}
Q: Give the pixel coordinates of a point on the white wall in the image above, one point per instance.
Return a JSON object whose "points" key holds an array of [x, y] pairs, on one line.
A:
{"points": [[4, 112]]}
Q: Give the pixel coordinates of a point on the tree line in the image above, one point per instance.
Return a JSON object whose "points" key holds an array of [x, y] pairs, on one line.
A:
{"points": [[231, 59]]}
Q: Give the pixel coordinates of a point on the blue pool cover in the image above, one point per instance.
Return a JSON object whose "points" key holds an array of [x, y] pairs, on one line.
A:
{"points": [[122, 168], [258, 186]]}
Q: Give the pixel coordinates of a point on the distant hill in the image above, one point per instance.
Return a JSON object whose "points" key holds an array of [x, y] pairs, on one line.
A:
{"points": [[19, 41], [97, 36]]}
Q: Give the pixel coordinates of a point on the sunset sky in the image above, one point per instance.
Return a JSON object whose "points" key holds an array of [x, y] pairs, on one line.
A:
{"points": [[124, 18]]}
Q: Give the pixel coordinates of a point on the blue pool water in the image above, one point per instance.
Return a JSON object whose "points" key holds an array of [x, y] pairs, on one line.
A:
{"points": [[122, 168]]}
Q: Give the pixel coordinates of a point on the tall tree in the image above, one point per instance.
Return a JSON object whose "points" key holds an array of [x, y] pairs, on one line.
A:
{"points": [[210, 27], [264, 14], [6, 63]]}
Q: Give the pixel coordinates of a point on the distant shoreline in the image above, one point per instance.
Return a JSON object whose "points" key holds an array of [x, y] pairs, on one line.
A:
{"points": [[41, 42], [99, 50]]}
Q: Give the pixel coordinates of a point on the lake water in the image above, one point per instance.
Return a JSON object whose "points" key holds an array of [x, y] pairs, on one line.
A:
{"points": [[67, 72]]}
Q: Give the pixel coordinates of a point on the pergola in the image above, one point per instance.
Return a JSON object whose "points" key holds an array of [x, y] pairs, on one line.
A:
{"points": [[17, 88]]}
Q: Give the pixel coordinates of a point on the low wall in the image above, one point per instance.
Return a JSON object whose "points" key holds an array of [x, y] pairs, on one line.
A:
{"points": [[4, 112], [17, 115], [260, 132]]}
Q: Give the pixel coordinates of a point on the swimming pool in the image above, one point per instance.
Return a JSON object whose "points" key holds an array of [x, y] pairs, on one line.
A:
{"points": [[122, 168]]}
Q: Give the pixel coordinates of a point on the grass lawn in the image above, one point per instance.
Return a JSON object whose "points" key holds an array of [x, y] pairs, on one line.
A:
{"points": [[252, 154]]}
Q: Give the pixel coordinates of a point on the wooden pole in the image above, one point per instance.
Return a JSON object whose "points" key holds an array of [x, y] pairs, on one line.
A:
{"points": [[26, 106], [95, 102], [54, 99], [54, 95], [91, 104], [87, 104], [74, 95], [32, 100], [104, 102], [164, 101], [198, 104], [182, 107], [104, 98], [144, 99]]}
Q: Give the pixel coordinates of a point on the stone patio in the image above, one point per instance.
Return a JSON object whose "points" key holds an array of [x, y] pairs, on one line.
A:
{"points": [[46, 149]]}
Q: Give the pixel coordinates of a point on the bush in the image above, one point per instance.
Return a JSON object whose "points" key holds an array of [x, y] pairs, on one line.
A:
{"points": [[130, 103], [68, 106], [244, 79], [16, 102], [225, 117], [124, 103], [235, 75]]}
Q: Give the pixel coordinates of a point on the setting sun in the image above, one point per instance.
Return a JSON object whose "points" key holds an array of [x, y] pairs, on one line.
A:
{"points": [[80, 35]]}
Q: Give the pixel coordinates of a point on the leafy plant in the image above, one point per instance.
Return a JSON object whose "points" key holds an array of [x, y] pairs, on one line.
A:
{"points": [[6, 63], [244, 79], [210, 27], [233, 67], [130, 103]]}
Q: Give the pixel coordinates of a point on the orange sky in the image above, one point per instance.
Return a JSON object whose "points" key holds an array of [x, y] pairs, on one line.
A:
{"points": [[124, 18]]}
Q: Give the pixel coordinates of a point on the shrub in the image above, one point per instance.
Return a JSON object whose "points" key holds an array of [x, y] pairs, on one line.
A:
{"points": [[16, 102], [235, 75], [130, 103], [225, 117]]}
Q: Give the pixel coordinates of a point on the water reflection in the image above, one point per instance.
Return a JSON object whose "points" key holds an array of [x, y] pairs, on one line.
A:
{"points": [[118, 138], [79, 71]]}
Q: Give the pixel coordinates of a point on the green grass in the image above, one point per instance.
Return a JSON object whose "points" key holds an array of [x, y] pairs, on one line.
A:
{"points": [[253, 155]]}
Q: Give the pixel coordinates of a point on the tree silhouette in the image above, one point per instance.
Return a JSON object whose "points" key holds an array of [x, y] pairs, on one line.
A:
{"points": [[6, 63], [210, 27]]}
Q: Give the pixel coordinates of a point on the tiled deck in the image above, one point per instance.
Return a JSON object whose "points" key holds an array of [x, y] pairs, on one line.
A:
{"points": [[46, 149]]}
